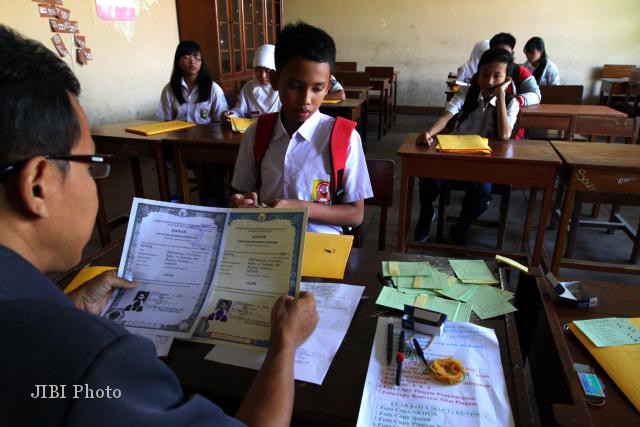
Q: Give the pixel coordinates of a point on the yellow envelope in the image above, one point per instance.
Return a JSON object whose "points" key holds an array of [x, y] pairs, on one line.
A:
{"points": [[463, 144], [620, 363], [160, 127], [85, 275], [326, 255], [331, 101], [239, 124]]}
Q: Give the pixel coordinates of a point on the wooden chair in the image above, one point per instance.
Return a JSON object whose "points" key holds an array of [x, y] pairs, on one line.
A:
{"points": [[610, 129], [346, 66], [562, 94], [353, 78], [382, 174], [546, 123], [616, 93], [382, 105], [617, 71]]}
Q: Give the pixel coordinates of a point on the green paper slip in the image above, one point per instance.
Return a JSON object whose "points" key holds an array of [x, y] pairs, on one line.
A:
{"points": [[487, 302], [611, 331], [441, 305], [405, 268], [472, 271], [464, 313], [459, 292], [416, 291], [437, 280], [505, 294], [403, 281], [390, 297]]}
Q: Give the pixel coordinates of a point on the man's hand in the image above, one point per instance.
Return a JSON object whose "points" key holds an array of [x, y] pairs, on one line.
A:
{"points": [[247, 200], [93, 295], [293, 320], [425, 138]]}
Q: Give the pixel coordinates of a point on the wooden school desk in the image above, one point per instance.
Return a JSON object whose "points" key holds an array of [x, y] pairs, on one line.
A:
{"points": [[558, 116], [212, 143], [350, 108], [113, 139], [550, 352], [531, 164], [382, 85], [337, 401], [591, 166]]}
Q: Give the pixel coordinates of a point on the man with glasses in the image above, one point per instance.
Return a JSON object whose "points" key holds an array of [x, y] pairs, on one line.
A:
{"points": [[52, 345]]}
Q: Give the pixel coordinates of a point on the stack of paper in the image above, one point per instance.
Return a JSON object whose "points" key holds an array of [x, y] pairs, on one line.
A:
{"points": [[463, 144], [160, 127], [423, 286], [239, 124]]}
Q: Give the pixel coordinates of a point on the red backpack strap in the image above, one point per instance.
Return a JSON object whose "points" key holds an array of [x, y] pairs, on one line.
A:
{"points": [[340, 138], [264, 130]]}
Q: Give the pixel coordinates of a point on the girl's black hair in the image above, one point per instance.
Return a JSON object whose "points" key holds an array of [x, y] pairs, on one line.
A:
{"points": [[536, 43], [188, 47], [471, 100]]}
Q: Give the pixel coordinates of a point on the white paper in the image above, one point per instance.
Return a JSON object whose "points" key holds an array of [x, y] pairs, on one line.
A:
{"points": [[161, 343], [480, 400], [336, 304]]}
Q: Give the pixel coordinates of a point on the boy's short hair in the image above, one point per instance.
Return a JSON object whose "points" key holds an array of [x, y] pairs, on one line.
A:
{"points": [[36, 115], [502, 38], [301, 40]]}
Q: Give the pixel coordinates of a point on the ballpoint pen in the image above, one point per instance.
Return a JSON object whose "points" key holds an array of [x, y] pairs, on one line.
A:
{"points": [[400, 357], [416, 344], [389, 343]]}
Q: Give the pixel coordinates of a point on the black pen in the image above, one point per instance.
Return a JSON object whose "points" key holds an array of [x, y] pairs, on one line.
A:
{"points": [[416, 344], [400, 357], [389, 343]]}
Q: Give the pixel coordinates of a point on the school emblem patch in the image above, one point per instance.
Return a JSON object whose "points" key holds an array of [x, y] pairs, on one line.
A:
{"points": [[321, 193], [204, 113]]}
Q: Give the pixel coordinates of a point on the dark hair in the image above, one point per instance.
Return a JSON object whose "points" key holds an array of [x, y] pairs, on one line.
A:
{"points": [[502, 38], [536, 43], [301, 40], [188, 47], [36, 114], [488, 57]]}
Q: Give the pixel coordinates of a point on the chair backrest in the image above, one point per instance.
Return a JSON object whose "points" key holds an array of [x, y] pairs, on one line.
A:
{"points": [[617, 71], [381, 174], [563, 94], [606, 127], [380, 71], [346, 66], [353, 78], [545, 123]]}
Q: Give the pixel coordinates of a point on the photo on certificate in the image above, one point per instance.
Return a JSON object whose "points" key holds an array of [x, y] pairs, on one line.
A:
{"points": [[172, 252], [261, 261]]}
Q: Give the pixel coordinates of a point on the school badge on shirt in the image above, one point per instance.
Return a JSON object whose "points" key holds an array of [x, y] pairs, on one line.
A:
{"points": [[321, 193], [204, 113]]}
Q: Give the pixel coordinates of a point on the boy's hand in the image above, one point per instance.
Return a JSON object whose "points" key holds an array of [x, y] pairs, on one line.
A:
{"points": [[247, 200], [224, 117], [293, 320], [93, 295], [501, 89], [425, 138]]}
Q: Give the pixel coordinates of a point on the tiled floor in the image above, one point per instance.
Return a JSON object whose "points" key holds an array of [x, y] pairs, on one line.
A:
{"points": [[591, 244]]}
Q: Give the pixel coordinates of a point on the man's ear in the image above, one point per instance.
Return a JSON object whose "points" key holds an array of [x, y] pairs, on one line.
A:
{"points": [[36, 181], [274, 78]]}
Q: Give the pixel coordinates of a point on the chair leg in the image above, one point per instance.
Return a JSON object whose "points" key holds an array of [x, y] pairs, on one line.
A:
{"points": [[442, 213], [612, 217], [573, 226], [504, 213], [636, 247], [557, 202], [595, 210]]}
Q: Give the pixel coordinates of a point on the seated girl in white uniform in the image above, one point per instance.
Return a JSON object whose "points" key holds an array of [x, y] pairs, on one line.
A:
{"points": [[191, 95], [257, 96]]}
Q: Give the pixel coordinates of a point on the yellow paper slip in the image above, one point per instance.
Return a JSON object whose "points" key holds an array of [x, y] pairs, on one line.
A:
{"points": [[622, 363], [160, 127], [239, 124], [326, 255], [463, 144], [85, 275], [331, 101]]}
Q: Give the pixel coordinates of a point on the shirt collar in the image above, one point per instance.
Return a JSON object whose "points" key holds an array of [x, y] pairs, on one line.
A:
{"points": [[21, 280], [492, 101], [307, 130]]}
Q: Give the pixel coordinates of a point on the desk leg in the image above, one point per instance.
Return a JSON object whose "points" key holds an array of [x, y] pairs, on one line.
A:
{"points": [[404, 220], [181, 175], [564, 223], [544, 211], [101, 219], [365, 120], [161, 173], [380, 115], [386, 111], [526, 234], [138, 187]]}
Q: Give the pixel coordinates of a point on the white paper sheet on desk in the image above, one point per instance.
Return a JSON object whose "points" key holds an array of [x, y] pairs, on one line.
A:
{"points": [[336, 303], [481, 399], [161, 343]]}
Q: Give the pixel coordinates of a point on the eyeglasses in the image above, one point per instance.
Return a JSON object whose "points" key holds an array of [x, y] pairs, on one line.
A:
{"points": [[100, 164], [191, 58]]}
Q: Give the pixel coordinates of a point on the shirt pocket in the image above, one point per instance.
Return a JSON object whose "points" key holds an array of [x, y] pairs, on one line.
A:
{"points": [[202, 113]]}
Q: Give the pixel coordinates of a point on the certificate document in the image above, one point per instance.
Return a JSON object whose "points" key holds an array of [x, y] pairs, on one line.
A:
{"points": [[171, 251], [261, 261]]}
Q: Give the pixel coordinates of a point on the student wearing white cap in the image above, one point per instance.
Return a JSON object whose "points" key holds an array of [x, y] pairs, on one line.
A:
{"points": [[257, 96]]}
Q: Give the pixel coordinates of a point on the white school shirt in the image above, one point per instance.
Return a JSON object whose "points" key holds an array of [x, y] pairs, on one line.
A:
{"points": [[299, 167], [480, 120], [192, 110], [550, 75], [256, 98]]}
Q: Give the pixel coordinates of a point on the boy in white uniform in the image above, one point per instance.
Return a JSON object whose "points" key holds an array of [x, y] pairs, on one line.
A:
{"points": [[257, 96], [296, 168]]}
